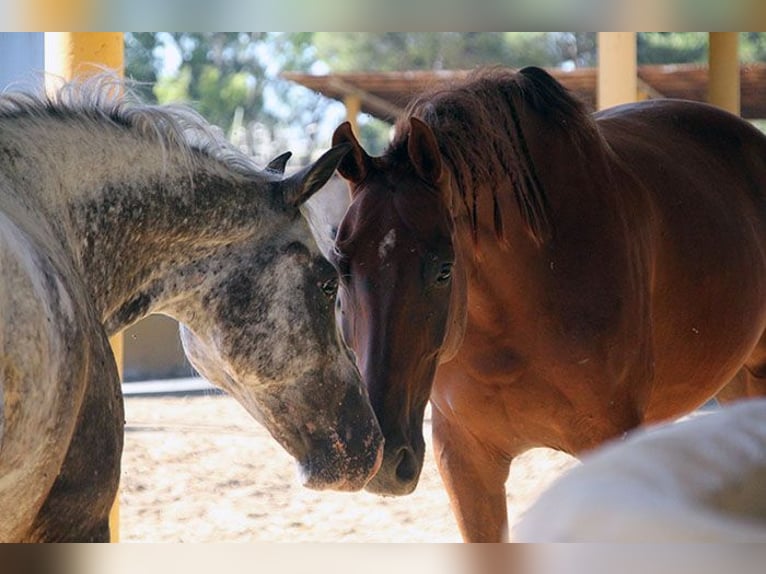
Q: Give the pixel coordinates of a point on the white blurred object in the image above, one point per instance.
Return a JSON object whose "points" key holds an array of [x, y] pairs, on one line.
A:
{"points": [[699, 480], [325, 210]]}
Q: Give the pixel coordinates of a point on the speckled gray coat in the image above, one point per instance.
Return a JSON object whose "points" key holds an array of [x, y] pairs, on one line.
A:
{"points": [[110, 211]]}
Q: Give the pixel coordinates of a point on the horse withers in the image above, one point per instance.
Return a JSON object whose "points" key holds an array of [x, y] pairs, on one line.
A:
{"points": [[545, 277], [111, 210]]}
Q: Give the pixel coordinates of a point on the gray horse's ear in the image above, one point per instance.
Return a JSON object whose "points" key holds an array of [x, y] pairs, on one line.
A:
{"points": [[278, 164], [300, 186]]}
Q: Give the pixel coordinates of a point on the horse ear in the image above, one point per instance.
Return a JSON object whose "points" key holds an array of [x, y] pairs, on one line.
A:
{"points": [[424, 151], [300, 186], [355, 166], [278, 164]]}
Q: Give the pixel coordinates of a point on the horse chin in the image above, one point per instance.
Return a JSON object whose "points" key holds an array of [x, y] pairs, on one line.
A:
{"points": [[332, 468], [399, 473], [390, 488]]}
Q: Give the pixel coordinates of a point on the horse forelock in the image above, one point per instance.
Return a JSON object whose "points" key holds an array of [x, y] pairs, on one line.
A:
{"points": [[107, 99], [477, 122]]}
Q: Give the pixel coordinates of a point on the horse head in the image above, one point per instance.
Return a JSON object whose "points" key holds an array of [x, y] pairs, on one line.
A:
{"points": [[401, 301], [261, 326]]}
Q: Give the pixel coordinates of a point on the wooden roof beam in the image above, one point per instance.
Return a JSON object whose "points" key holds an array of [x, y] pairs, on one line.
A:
{"points": [[646, 89], [371, 100]]}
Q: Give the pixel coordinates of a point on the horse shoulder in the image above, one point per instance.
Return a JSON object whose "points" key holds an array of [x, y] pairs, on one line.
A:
{"points": [[43, 361]]}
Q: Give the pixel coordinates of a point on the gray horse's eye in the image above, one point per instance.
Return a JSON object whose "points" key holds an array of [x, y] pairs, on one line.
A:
{"points": [[330, 287]]}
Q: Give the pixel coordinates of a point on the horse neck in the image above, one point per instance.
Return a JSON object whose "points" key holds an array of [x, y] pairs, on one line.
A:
{"points": [[129, 213]]}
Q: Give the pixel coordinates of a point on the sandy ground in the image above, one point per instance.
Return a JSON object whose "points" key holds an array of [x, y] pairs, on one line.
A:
{"points": [[199, 469]]}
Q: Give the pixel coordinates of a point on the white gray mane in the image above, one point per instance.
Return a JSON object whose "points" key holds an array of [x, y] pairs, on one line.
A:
{"points": [[106, 98]]}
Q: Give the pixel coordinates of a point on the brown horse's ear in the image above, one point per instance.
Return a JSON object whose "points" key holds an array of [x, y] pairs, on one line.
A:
{"points": [[424, 152], [355, 166]]}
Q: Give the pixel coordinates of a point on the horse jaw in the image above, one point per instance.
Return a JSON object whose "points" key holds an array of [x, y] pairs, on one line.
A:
{"points": [[337, 448]]}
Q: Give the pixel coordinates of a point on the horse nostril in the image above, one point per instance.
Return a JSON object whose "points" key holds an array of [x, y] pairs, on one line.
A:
{"points": [[407, 465]]}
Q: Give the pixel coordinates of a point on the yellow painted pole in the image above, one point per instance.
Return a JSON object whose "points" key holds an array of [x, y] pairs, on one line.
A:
{"points": [[353, 105], [69, 55], [723, 71], [78, 54], [118, 349], [617, 69]]}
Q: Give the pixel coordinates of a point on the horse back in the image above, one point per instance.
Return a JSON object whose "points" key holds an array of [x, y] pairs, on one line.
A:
{"points": [[666, 143], [701, 174]]}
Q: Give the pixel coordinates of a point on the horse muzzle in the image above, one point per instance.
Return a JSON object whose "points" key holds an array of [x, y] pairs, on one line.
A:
{"points": [[344, 463], [342, 446]]}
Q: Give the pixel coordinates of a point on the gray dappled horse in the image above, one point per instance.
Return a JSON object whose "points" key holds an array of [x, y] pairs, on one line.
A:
{"points": [[111, 210]]}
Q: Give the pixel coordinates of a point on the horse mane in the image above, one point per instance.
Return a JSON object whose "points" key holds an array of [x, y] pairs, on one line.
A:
{"points": [[478, 128], [106, 98]]}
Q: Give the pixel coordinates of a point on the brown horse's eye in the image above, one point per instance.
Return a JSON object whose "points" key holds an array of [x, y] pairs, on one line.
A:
{"points": [[445, 274], [330, 287]]}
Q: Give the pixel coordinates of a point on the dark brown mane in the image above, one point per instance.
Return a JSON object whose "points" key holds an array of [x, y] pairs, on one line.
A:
{"points": [[477, 124]]}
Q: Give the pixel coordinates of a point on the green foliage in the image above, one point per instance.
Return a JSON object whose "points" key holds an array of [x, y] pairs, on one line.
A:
{"points": [[237, 74], [752, 46], [221, 94], [547, 49], [672, 47], [354, 51], [374, 135], [141, 63], [173, 89]]}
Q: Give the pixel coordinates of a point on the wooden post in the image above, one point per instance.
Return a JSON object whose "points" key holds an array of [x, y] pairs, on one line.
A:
{"points": [[723, 71], [76, 54], [617, 69], [118, 349], [353, 105]]}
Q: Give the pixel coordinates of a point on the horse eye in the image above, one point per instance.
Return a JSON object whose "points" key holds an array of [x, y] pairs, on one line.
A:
{"points": [[445, 273], [330, 287]]}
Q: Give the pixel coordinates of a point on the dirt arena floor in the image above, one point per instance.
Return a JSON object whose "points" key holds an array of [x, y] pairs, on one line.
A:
{"points": [[199, 469]]}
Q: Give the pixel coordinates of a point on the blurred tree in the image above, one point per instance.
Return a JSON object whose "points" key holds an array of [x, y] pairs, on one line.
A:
{"points": [[386, 51], [752, 46], [672, 47], [348, 51], [142, 62], [233, 78]]}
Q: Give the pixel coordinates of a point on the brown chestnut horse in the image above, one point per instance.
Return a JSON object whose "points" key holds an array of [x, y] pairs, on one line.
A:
{"points": [[546, 277]]}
